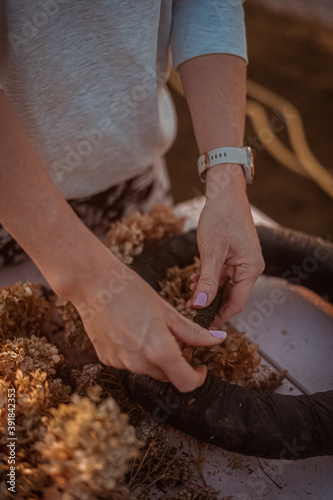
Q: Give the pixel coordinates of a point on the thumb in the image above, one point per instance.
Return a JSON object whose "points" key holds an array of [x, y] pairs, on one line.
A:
{"points": [[194, 334], [208, 284]]}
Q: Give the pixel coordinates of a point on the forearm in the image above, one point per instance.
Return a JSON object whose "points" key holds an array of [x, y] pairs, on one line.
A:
{"points": [[228, 244], [35, 213], [215, 89]]}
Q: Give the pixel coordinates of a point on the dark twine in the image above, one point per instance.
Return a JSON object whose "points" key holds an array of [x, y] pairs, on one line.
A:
{"points": [[206, 315]]}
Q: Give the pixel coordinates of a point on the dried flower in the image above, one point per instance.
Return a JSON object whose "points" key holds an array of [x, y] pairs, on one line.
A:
{"points": [[234, 360], [58, 391], [175, 288], [28, 354], [82, 378], [73, 326], [126, 238], [87, 448], [23, 311], [31, 404], [157, 464], [31, 482]]}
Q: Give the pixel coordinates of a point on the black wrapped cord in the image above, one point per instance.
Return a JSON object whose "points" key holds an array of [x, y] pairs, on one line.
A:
{"points": [[236, 418], [205, 316], [239, 419], [299, 258]]}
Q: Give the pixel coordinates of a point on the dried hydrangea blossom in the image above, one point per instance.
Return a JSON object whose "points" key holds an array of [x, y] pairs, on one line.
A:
{"points": [[28, 354], [87, 448], [175, 288], [31, 483], [58, 391], [32, 402], [23, 311], [4, 386], [82, 378], [72, 323], [127, 236], [234, 360]]}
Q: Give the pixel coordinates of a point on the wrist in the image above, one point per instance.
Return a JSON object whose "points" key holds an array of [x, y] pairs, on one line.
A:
{"points": [[224, 179], [80, 267]]}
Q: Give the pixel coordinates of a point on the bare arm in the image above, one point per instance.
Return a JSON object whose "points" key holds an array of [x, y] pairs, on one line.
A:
{"points": [[121, 313], [215, 88], [35, 213]]}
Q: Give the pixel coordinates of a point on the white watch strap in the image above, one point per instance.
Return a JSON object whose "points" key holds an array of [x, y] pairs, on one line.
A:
{"points": [[242, 156]]}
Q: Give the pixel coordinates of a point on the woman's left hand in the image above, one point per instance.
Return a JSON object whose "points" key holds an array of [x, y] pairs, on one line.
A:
{"points": [[228, 244]]}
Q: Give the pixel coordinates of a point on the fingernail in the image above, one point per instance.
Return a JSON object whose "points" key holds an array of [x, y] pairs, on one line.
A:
{"points": [[219, 334], [201, 299]]}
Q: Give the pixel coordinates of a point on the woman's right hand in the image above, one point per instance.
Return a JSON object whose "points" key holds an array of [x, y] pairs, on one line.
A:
{"points": [[132, 327]]}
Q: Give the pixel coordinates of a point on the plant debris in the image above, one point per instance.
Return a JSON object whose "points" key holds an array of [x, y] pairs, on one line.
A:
{"points": [[158, 464], [194, 491], [126, 237]]}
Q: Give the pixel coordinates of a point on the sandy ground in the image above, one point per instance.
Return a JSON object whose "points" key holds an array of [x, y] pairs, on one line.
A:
{"points": [[292, 56]]}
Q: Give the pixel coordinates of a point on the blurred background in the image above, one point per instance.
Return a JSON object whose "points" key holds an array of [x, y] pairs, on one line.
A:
{"points": [[290, 49]]}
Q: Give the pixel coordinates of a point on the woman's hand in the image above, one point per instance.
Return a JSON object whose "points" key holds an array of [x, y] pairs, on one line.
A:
{"points": [[132, 327], [228, 243], [227, 238]]}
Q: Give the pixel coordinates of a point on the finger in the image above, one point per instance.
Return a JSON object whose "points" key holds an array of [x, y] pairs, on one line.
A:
{"points": [[194, 334], [189, 303], [195, 277], [225, 274], [143, 366], [236, 296], [183, 376], [211, 266]]}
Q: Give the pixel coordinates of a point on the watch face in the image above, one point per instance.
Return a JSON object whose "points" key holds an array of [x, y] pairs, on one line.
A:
{"points": [[251, 163]]}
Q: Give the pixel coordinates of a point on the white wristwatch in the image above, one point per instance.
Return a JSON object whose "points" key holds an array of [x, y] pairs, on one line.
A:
{"points": [[242, 156]]}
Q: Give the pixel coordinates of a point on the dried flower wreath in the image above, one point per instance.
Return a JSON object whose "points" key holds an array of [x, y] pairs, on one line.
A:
{"points": [[80, 435]]}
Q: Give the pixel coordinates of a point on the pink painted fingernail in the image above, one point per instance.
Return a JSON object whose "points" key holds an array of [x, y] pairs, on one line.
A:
{"points": [[201, 299], [219, 334]]}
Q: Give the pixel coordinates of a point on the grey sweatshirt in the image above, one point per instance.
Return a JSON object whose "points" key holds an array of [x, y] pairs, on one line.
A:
{"points": [[88, 79]]}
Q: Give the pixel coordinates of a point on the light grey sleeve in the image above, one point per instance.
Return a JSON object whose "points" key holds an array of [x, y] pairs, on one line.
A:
{"points": [[212, 26]]}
